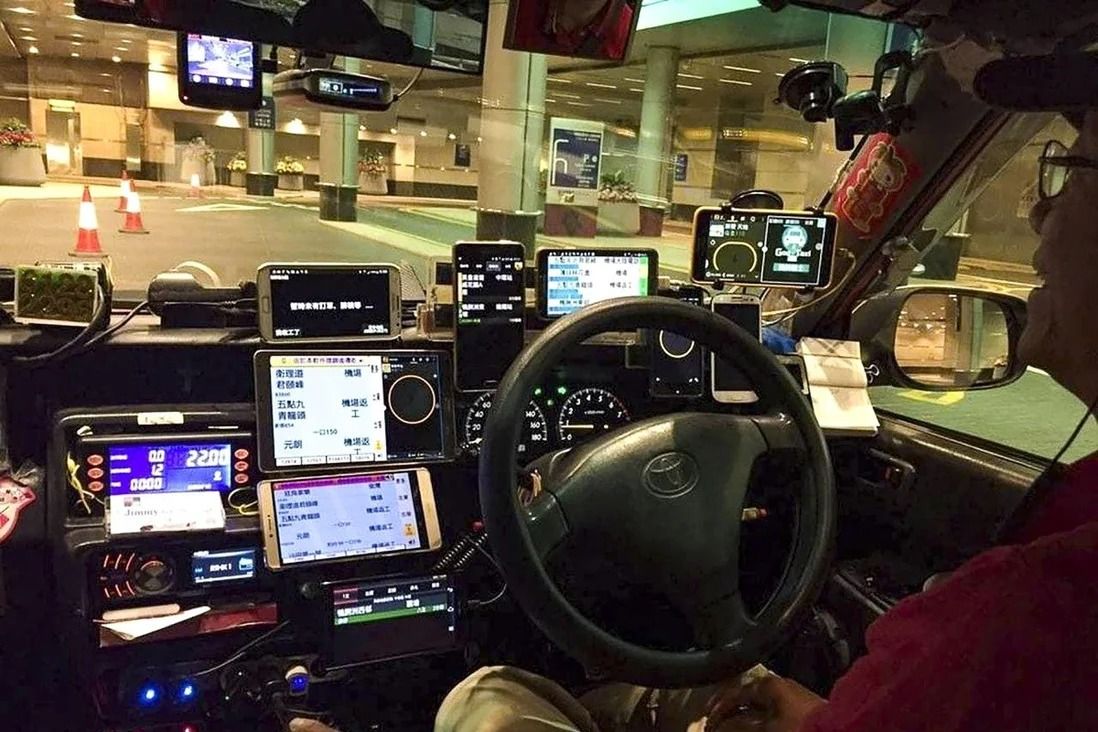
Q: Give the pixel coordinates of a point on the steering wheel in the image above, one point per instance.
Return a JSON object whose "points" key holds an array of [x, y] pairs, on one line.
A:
{"points": [[665, 495]]}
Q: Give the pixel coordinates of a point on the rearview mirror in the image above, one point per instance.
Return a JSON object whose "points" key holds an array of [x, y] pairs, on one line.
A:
{"points": [[941, 339], [437, 34]]}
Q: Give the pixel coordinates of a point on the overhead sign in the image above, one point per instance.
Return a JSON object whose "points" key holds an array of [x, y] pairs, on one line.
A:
{"points": [[575, 159], [681, 161], [264, 117]]}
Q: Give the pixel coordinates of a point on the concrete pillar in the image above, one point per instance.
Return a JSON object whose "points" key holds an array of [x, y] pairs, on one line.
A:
{"points": [[653, 145], [856, 43], [259, 146], [339, 161], [512, 125]]}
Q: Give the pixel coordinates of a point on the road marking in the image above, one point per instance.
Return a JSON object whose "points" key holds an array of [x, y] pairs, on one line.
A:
{"points": [[220, 207], [391, 237], [943, 399]]}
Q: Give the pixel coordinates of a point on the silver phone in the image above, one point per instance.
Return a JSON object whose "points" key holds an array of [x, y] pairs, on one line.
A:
{"points": [[302, 302], [730, 385]]}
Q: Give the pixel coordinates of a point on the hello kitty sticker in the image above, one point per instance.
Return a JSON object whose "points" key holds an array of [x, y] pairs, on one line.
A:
{"points": [[14, 497], [868, 194]]}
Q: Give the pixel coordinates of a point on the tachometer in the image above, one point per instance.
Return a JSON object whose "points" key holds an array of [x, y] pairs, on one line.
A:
{"points": [[589, 412], [535, 428]]}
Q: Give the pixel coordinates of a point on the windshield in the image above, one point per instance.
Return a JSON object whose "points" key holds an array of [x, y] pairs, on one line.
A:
{"points": [[688, 120]]}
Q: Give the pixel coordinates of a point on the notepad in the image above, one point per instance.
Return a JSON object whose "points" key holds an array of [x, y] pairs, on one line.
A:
{"points": [[838, 386], [132, 629]]}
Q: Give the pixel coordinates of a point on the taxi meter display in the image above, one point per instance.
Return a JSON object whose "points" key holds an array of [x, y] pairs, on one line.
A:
{"points": [[569, 280], [760, 247], [347, 516], [317, 410], [169, 468]]}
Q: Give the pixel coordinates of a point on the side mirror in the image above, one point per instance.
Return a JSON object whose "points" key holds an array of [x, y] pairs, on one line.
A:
{"points": [[940, 338]]}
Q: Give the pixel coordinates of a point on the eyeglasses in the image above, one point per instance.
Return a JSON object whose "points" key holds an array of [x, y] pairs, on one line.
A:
{"points": [[1056, 166]]}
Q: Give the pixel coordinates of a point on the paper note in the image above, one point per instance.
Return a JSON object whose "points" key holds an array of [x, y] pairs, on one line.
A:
{"points": [[838, 385], [131, 629], [161, 512]]}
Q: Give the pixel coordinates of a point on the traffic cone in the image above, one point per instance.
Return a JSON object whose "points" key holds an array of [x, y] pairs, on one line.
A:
{"points": [[87, 236], [133, 223], [125, 185], [196, 186]]}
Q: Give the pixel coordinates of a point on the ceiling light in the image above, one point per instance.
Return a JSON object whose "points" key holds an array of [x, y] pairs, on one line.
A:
{"points": [[392, 130], [598, 85], [608, 101], [480, 139], [744, 69], [28, 38], [780, 76], [550, 101], [638, 91], [74, 17], [295, 126], [577, 104], [116, 59], [77, 43], [77, 35], [32, 49], [635, 81], [451, 136], [25, 29], [569, 96], [109, 76], [691, 88], [690, 76], [423, 133], [796, 60], [74, 54], [21, 10], [105, 89], [121, 48], [558, 80], [736, 82]]}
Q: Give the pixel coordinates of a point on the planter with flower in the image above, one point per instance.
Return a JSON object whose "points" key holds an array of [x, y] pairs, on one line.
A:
{"points": [[619, 212], [291, 173], [372, 172], [238, 167], [197, 159], [20, 155]]}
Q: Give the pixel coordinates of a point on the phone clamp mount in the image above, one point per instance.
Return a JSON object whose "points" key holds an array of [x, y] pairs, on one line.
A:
{"points": [[818, 91]]}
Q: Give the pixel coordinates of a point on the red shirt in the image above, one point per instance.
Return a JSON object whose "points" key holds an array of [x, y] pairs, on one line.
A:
{"points": [[1008, 643], [605, 37]]}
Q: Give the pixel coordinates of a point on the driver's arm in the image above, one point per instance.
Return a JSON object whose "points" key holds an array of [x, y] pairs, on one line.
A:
{"points": [[1006, 643]]}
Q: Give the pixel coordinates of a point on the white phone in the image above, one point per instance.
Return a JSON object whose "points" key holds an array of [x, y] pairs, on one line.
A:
{"points": [[302, 302], [729, 384]]}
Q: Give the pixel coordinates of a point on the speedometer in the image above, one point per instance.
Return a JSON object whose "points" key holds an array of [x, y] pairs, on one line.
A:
{"points": [[535, 428], [589, 412]]}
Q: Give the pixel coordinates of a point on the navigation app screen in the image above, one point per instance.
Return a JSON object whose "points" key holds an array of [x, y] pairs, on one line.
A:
{"points": [[759, 247], [574, 279], [219, 61], [321, 409], [346, 516]]}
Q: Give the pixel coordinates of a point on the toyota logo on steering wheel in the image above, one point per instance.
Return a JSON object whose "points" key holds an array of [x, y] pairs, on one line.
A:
{"points": [[671, 474]]}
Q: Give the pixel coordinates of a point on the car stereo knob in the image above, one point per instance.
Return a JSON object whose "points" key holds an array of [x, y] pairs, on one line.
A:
{"points": [[153, 575]]}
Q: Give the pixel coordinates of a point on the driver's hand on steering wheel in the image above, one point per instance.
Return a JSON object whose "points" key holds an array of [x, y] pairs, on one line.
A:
{"points": [[768, 704], [309, 725]]}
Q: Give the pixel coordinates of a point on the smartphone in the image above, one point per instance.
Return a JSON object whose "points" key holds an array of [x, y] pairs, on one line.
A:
{"points": [[325, 303], [345, 517], [489, 310], [677, 367], [730, 385]]}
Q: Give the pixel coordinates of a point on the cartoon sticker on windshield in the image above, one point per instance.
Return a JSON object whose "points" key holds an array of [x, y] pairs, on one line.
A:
{"points": [[870, 190], [14, 497]]}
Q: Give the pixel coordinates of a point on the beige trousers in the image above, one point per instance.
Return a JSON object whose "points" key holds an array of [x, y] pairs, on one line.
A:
{"points": [[506, 699]]}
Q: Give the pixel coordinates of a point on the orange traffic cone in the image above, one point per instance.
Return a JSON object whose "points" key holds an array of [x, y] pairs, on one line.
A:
{"points": [[125, 185], [87, 236], [133, 223], [196, 186]]}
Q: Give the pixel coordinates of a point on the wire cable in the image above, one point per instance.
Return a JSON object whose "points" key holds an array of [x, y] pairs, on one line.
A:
{"points": [[409, 85], [787, 313], [81, 338], [117, 326], [1041, 487], [243, 650]]}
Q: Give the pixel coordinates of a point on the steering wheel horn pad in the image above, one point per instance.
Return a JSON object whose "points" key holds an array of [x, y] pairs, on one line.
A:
{"points": [[664, 495]]}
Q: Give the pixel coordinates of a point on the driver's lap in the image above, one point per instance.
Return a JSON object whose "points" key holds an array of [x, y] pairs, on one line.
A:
{"points": [[508, 699]]}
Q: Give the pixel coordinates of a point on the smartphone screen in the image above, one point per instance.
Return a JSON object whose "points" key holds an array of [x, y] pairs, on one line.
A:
{"points": [[489, 327], [677, 363], [730, 384]]}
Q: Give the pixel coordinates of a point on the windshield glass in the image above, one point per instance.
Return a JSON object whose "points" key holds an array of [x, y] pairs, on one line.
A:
{"points": [[688, 120]]}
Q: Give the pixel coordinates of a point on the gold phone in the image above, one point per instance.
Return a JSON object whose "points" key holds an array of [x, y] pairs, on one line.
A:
{"points": [[336, 518]]}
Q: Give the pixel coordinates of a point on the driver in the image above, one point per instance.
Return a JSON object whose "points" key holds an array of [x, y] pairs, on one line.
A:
{"points": [[1008, 642]]}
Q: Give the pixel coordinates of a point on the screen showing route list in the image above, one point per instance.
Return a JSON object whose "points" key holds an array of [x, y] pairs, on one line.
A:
{"points": [[322, 409], [346, 516], [574, 279]]}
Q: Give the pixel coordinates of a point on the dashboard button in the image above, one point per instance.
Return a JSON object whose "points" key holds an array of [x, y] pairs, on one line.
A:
{"points": [[95, 473], [95, 460], [95, 486], [241, 466], [241, 454], [241, 478]]}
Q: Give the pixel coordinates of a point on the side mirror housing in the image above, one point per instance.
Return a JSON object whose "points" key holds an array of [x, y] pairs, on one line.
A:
{"points": [[940, 338]]}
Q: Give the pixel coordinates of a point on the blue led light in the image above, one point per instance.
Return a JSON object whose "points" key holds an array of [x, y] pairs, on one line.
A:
{"points": [[299, 684], [148, 696]]}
